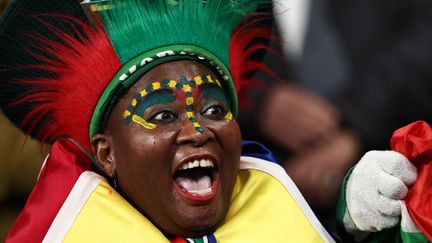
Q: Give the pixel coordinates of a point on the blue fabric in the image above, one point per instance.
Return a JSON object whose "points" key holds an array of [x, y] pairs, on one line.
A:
{"points": [[211, 238], [257, 150]]}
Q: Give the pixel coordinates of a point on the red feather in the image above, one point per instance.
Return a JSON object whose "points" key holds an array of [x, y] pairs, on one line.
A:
{"points": [[244, 42], [83, 66]]}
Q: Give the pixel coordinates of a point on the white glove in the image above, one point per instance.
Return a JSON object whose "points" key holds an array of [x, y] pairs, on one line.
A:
{"points": [[374, 189]]}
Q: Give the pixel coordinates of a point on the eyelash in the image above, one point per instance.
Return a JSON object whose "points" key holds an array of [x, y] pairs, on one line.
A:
{"points": [[157, 116], [220, 113], [154, 118]]}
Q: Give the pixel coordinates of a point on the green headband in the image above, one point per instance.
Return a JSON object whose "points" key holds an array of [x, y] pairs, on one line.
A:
{"points": [[138, 66]]}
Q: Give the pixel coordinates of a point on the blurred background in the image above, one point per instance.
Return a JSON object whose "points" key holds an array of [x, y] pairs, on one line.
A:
{"points": [[352, 72], [20, 161]]}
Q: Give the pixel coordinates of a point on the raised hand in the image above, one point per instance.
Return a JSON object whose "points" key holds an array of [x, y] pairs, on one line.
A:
{"points": [[377, 183]]}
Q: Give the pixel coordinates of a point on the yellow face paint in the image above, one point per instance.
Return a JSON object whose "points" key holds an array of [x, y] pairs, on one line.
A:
{"points": [[142, 122], [144, 100]]}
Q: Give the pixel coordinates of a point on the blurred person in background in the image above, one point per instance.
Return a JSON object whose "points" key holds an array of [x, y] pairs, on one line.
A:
{"points": [[357, 70], [20, 160], [3, 5]]}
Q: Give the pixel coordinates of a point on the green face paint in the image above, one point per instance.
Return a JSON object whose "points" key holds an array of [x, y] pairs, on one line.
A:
{"points": [[216, 93], [157, 93], [162, 96]]}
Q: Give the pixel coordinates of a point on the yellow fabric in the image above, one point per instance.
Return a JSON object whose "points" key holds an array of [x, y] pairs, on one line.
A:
{"points": [[262, 210], [107, 217]]}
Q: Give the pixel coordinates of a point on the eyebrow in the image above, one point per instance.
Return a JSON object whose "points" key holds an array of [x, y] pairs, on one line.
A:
{"points": [[161, 96], [210, 91]]}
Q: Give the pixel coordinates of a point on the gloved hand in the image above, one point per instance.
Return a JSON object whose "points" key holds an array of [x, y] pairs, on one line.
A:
{"points": [[373, 191]]}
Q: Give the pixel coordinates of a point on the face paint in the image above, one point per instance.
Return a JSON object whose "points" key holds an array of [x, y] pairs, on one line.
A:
{"points": [[217, 94], [140, 104], [153, 94]]}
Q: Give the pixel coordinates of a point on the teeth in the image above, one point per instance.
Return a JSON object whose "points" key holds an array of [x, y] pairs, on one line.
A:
{"points": [[196, 163], [202, 191], [204, 163]]}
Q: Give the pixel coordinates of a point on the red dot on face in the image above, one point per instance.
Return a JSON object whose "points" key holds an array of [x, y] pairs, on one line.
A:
{"points": [[180, 95], [196, 93]]}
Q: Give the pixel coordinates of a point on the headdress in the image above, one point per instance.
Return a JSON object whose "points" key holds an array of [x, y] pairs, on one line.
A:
{"points": [[65, 64]]}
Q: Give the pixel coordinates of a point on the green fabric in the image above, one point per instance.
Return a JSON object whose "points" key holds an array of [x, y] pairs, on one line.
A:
{"points": [[137, 26], [341, 205], [198, 240], [413, 237]]}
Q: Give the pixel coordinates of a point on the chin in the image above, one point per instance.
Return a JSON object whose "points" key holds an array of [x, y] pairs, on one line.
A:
{"points": [[199, 222], [196, 230]]}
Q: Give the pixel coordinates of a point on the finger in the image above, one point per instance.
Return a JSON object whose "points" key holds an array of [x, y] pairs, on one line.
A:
{"points": [[398, 165], [391, 187], [302, 126], [388, 207], [320, 109], [292, 140], [311, 128], [324, 118], [308, 105], [385, 223]]}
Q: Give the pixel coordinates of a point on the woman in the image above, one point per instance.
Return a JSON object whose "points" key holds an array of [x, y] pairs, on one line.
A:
{"points": [[192, 171], [138, 100]]}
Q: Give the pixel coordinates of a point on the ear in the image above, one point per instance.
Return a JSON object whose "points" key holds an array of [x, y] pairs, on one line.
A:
{"points": [[104, 154]]}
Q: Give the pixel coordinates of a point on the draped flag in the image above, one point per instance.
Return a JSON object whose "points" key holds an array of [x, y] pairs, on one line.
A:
{"points": [[415, 142], [71, 203]]}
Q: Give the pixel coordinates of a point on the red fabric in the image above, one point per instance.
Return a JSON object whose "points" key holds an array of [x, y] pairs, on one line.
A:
{"points": [[178, 240], [415, 142], [65, 164]]}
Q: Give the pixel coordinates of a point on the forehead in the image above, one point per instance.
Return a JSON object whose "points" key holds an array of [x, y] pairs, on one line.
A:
{"points": [[172, 70]]}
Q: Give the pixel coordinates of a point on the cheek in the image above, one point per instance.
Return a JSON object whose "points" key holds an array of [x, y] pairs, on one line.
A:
{"points": [[143, 160], [141, 151], [229, 136], [149, 139], [229, 133]]}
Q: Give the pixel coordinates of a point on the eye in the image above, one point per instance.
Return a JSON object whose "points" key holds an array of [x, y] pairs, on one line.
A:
{"points": [[214, 111], [163, 116]]}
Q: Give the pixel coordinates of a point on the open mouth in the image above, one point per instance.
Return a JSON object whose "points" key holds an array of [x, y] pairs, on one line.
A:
{"points": [[197, 179]]}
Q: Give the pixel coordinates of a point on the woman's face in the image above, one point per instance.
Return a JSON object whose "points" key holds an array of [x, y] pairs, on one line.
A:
{"points": [[174, 148]]}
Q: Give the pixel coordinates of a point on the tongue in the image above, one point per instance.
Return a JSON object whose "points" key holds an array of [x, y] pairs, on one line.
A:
{"points": [[193, 180]]}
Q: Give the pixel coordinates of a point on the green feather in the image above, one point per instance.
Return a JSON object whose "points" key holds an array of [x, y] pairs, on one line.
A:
{"points": [[136, 26]]}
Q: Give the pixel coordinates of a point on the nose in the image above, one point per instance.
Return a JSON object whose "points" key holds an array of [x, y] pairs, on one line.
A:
{"points": [[189, 134]]}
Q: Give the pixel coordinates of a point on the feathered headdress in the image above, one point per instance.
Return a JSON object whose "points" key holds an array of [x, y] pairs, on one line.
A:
{"points": [[64, 65]]}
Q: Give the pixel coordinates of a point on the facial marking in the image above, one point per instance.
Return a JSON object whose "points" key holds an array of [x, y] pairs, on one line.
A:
{"points": [[185, 90], [217, 94]]}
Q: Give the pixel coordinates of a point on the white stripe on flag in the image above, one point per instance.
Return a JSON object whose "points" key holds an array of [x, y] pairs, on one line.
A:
{"points": [[70, 209], [247, 162], [407, 224]]}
